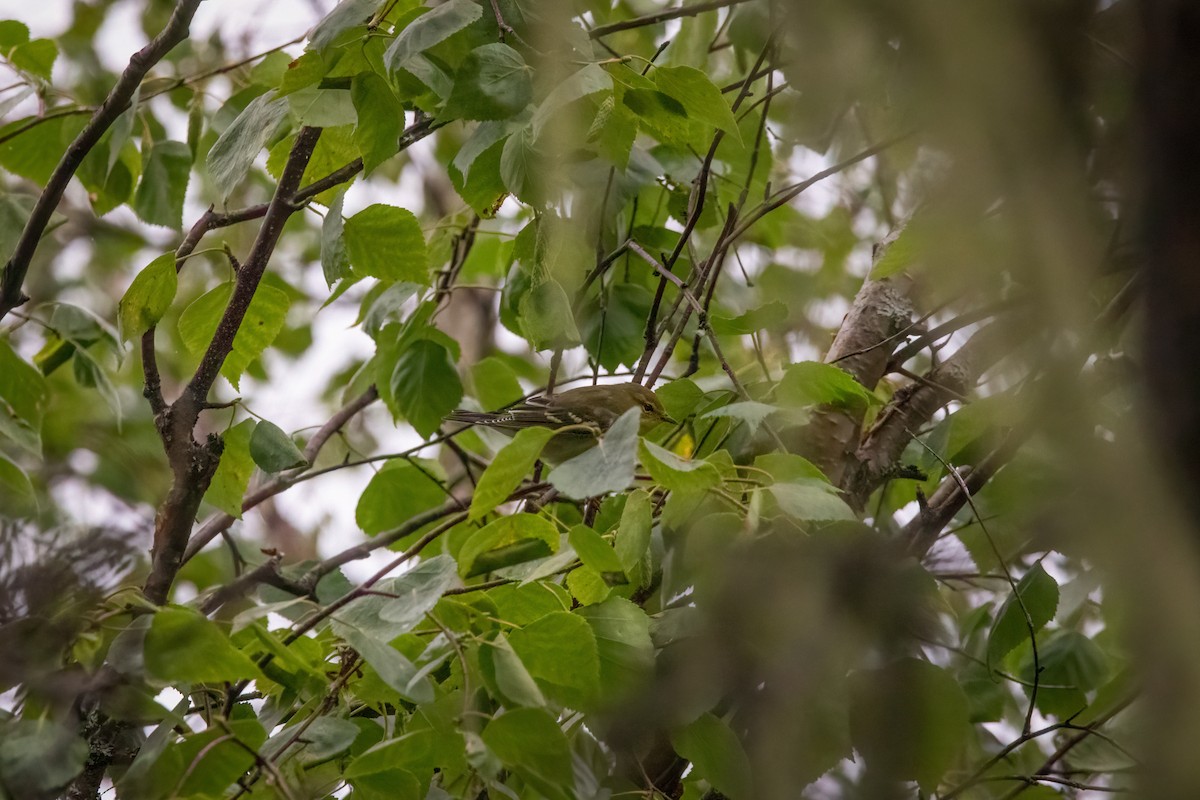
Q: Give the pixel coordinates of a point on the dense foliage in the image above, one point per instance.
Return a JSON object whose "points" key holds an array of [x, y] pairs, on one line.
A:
{"points": [[879, 261]]}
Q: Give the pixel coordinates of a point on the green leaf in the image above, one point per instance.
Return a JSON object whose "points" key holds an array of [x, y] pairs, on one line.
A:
{"points": [[595, 552], [36, 56], [607, 467], [159, 196], [232, 477], [495, 383], [814, 501], [22, 389], [262, 323], [514, 461], [680, 397], [519, 166], [335, 265], [588, 80], [421, 750], [908, 720], [380, 120], [900, 254], [676, 473], [183, 646], [588, 586], [546, 317], [391, 665], [813, 383], [416, 592], [305, 71], [717, 754], [396, 494], [507, 675], [614, 330], [38, 756], [34, 153], [614, 131], [559, 650], [787, 467], [386, 242], [16, 489], [148, 297], [432, 27], [1072, 665], [770, 316], [231, 156], [273, 450], [493, 82], [345, 15], [750, 412], [623, 642], [504, 537], [13, 33], [529, 742], [698, 95], [1039, 593], [633, 537], [425, 385]]}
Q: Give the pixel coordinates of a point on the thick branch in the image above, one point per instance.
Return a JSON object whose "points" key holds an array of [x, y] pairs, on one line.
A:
{"points": [[862, 347], [176, 31], [915, 404]]}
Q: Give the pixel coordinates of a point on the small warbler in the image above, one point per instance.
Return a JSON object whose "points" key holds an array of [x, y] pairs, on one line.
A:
{"points": [[582, 414]]}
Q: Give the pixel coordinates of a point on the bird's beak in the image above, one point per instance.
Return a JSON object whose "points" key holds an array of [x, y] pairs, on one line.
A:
{"points": [[666, 419]]}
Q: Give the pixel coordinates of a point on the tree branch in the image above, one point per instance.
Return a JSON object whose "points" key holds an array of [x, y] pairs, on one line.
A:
{"points": [[175, 31], [661, 16]]}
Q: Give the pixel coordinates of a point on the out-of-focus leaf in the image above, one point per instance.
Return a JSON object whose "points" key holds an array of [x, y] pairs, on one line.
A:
{"points": [[159, 196], [183, 646], [234, 151], [908, 720], [717, 754], [529, 742], [493, 82]]}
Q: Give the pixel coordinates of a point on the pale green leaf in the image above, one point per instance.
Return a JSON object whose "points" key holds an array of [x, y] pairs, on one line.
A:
{"points": [[607, 467], [148, 297]]}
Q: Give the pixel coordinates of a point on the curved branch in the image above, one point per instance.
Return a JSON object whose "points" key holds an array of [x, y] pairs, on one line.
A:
{"points": [[175, 31]]}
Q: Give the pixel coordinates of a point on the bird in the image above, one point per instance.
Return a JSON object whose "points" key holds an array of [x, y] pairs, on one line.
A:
{"points": [[580, 415]]}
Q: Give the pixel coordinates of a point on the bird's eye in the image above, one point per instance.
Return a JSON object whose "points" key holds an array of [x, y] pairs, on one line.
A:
{"points": [[648, 407]]}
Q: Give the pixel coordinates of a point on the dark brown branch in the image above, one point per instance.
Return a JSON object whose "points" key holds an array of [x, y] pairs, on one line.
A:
{"points": [[192, 463], [175, 31], [661, 16], [948, 499], [266, 572]]}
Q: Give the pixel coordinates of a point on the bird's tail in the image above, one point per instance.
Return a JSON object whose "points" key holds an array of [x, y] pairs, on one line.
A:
{"points": [[471, 417]]}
